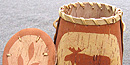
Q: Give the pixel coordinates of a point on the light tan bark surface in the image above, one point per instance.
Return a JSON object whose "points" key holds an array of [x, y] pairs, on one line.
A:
{"points": [[28, 52], [94, 44]]}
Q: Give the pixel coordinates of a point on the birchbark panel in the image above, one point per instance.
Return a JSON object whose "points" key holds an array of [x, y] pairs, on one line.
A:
{"points": [[92, 43], [28, 52]]}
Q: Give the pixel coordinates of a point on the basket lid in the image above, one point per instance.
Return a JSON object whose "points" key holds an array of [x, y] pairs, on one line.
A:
{"points": [[30, 47]]}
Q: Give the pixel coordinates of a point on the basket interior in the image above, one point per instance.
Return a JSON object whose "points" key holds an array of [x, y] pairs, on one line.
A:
{"points": [[87, 10]]}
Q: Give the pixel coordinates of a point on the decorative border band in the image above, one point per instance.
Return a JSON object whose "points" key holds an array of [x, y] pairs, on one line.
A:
{"points": [[91, 21]]}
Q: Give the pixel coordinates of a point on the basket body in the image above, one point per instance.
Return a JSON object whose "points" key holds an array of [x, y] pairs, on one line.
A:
{"points": [[89, 44]]}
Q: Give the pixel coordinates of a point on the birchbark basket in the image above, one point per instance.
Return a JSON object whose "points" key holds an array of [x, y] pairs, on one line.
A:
{"points": [[89, 34], [30, 47]]}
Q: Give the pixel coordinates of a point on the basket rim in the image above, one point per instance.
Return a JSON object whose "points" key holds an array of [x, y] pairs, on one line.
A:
{"points": [[92, 21]]}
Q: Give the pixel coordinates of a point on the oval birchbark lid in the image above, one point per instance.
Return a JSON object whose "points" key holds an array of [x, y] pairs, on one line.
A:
{"points": [[30, 47], [89, 13]]}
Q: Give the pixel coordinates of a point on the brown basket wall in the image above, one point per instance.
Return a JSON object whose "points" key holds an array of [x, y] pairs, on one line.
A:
{"points": [[91, 32]]}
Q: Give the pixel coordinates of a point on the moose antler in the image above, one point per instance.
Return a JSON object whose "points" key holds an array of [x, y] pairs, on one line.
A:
{"points": [[79, 50], [73, 49]]}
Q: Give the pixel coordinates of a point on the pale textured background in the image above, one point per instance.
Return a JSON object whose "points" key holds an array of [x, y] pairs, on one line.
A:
{"points": [[20, 14]]}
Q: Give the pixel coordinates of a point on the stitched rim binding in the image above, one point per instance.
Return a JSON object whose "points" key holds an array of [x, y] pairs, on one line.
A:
{"points": [[117, 14]]}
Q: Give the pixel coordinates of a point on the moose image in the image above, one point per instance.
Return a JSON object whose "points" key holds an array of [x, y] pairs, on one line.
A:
{"points": [[83, 59]]}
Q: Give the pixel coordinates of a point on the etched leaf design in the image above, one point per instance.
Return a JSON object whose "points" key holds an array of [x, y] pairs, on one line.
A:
{"points": [[20, 60], [31, 51], [35, 64]]}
